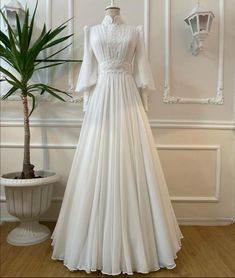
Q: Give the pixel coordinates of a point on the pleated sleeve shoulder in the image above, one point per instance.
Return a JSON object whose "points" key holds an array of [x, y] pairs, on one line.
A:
{"points": [[89, 69], [142, 70]]}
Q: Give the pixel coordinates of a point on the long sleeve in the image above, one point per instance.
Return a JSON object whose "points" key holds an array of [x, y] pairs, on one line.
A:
{"points": [[142, 70], [89, 70]]}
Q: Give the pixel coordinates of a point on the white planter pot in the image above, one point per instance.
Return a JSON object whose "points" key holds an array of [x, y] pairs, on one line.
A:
{"points": [[28, 199]]}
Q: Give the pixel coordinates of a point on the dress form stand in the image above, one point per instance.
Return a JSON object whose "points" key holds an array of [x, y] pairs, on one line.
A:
{"points": [[112, 10]]}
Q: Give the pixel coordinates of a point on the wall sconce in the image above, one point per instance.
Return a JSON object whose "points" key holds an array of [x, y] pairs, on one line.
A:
{"points": [[200, 22], [10, 10]]}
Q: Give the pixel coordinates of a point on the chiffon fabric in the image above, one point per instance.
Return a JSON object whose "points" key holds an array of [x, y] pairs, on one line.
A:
{"points": [[116, 215]]}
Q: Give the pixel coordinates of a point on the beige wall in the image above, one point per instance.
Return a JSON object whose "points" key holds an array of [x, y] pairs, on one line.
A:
{"points": [[196, 141]]}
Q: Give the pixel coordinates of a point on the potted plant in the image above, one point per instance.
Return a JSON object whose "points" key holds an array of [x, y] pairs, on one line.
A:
{"points": [[29, 192]]}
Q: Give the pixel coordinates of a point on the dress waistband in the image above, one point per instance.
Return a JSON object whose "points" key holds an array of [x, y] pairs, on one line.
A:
{"points": [[115, 66]]}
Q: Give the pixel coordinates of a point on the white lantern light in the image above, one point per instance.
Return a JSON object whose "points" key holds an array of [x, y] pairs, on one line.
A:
{"points": [[10, 10], [200, 22]]}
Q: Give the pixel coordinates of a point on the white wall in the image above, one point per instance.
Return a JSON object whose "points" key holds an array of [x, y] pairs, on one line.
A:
{"points": [[196, 141]]}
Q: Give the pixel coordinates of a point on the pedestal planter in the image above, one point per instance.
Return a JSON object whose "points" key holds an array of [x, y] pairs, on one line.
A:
{"points": [[28, 199]]}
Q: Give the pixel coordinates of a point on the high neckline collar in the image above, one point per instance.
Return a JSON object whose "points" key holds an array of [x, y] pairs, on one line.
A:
{"points": [[116, 20]]}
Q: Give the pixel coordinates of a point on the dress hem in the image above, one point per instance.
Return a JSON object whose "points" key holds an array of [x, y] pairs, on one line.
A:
{"points": [[169, 267], [114, 274]]}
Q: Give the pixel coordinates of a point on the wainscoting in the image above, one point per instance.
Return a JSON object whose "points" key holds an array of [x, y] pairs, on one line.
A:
{"points": [[197, 163]]}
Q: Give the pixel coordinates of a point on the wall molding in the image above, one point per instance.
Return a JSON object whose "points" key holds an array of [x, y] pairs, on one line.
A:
{"points": [[71, 30], [147, 24], [201, 199], [49, 26], [188, 199], [187, 124], [167, 96], [164, 123]]}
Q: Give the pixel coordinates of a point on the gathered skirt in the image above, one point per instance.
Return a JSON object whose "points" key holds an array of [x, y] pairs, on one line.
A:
{"points": [[116, 215]]}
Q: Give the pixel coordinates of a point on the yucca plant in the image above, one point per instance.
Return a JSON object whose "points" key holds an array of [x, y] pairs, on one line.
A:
{"points": [[21, 52]]}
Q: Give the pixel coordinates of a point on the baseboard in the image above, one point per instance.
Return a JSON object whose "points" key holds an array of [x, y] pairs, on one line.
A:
{"points": [[205, 221], [182, 221]]}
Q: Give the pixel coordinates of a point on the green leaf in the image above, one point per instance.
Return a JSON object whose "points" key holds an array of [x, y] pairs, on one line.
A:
{"points": [[10, 58], [42, 86], [33, 103], [64, 23], [53, 33], [49, 66], [24, 37], [13, 49], [10, 92], [11, 82], [13, 43], [4, 40], [53, 93], [18, 27], [59, 91], [45, 41], [57, 52], [7, 61], [11, 76], [57, 41], [37, 47], [49, 89], [32, 23]]}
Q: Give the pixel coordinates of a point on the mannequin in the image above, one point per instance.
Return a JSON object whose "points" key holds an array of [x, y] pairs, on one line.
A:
{"points": [[112, 10]]}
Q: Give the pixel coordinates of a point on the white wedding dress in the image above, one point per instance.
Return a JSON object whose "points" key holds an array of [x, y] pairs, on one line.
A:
{"points": [[116, 214]]}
